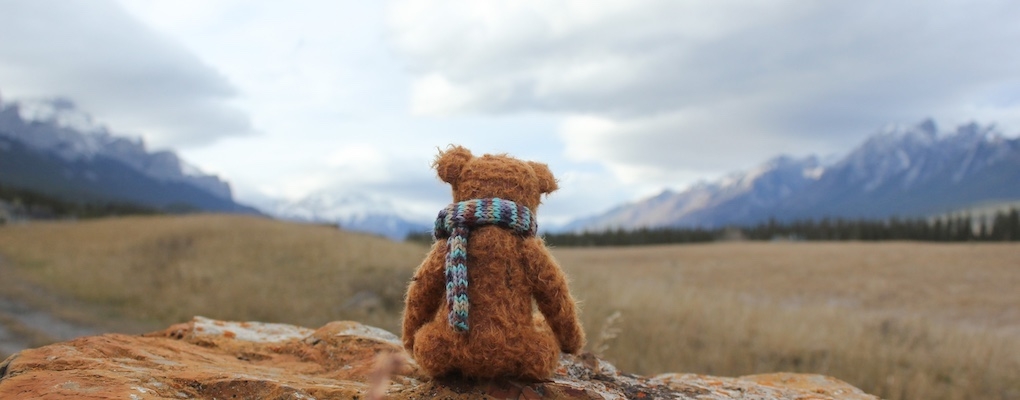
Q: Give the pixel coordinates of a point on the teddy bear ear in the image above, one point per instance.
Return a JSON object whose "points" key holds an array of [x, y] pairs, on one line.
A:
{"points": [[546, 180], [450, 163]]}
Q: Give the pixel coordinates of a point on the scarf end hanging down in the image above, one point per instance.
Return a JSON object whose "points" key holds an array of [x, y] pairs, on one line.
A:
{"points": [[455, 222]]}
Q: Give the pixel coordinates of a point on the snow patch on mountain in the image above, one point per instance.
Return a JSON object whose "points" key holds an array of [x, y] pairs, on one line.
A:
{"points": [[901, 170], [61, 112], [913, 155], [58, 127], [356, 212], [737, 195]]}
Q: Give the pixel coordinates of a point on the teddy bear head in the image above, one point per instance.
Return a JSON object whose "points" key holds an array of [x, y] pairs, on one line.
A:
{"points": [[502, 176]]}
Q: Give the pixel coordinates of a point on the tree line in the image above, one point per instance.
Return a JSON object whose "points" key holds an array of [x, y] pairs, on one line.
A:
{"points": [[1004, 226], [18, 204], [617, 237]]}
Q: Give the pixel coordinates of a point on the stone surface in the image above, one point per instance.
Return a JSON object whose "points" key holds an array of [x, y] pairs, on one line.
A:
{"points": [[343, 360]]}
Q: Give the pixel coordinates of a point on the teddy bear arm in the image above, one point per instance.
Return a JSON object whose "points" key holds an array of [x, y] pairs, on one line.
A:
{"points": [[552, 296], [424, 294]]}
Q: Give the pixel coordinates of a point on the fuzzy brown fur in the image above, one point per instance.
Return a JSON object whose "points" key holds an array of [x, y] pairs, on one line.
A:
{"points": [[506, 272]]}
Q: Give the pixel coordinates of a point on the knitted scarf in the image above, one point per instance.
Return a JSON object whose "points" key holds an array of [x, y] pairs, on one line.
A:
{"points": [[455, 222]]}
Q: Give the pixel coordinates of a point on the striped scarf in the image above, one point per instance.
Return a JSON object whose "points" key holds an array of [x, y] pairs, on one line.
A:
{"points": [[455, 222]]}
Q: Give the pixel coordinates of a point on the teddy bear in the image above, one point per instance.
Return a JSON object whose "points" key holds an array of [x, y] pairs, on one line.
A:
{"points": [[470, 307]]}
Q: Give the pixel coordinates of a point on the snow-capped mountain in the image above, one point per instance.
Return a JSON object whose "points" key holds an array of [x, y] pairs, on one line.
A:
{"points": [[56, 126], [52, 147], [354, 212], [914, 171], [735, 198], [901, 171]]}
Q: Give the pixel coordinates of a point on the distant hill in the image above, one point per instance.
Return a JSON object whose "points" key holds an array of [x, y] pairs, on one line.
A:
{"points": [[52, 148], [351, 212], [909, 172]]}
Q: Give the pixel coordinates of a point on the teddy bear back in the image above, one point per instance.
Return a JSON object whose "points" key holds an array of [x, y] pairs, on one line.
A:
{"points": [[488, 328]]}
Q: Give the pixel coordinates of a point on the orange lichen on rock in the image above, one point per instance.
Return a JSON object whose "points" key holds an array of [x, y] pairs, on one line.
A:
{"points": [[506, 272], [338, 361], [201, 359]]}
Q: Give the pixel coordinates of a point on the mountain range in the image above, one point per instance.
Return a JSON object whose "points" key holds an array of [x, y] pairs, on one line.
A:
{"points": [[901, 171], [356, 212], [54, 148], [51, 147]]}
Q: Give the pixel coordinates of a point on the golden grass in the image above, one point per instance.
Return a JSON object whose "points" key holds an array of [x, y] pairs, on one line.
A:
{"points": [[900, 320], [163, 270]]}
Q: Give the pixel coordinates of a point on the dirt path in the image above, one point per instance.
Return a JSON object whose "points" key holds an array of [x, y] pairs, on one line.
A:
{"points": [[10, 343], [23, 326]]}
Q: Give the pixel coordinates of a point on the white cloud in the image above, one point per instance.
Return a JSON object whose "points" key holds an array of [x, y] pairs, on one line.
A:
{"points": [[621, 98], [660, 90], [359, 155], [669, 149], [112, 66], [435, 95], [565, 55]]}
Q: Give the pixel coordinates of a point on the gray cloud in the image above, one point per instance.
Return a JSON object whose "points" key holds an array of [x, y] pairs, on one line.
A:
{"points": [[718, 84], [116, 68]]}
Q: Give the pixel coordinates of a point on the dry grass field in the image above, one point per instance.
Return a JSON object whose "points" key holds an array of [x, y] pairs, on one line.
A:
{"points": [[901, 320], [153, 271]]}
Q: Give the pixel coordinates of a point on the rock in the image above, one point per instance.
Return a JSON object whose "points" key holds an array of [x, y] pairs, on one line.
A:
{"points": [[206, 358]]}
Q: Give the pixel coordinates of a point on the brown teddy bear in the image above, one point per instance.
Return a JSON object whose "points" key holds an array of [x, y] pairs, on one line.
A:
{"points": [[469, 308]]}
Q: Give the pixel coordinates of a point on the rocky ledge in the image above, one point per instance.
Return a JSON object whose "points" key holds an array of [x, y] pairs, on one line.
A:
{"points": [[207, 359]]}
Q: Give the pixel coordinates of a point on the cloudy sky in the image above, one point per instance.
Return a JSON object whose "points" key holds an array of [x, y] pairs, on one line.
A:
{"points": [[621, 98]]}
